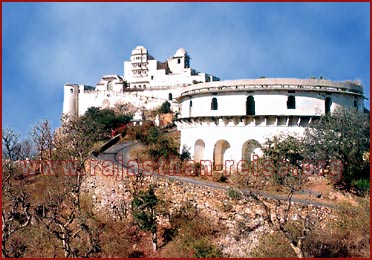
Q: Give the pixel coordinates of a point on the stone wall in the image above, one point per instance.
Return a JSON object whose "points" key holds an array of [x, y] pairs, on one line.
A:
{"points": [[243, 219]]}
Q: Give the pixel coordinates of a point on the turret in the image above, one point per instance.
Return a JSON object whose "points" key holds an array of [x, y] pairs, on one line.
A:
{"points": [[70, 99]]}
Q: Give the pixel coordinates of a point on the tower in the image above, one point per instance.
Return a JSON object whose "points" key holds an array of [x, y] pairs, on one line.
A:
{"points": [[70, 100]]}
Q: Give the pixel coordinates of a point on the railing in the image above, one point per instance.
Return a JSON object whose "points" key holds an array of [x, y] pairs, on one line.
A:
{"points": [[274, 84]]}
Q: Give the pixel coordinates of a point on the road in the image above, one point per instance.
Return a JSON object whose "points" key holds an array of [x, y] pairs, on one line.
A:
{"points": [[120, 155]]}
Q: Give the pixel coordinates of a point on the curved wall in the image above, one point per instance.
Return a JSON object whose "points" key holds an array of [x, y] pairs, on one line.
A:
{"points": [[228, 120]]}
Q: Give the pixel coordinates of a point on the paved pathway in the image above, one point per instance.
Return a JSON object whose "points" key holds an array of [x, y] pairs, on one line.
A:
{"points": [[119, 154]]}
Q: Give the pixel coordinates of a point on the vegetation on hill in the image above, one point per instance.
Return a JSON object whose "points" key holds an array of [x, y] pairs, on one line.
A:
{"points": [[106, 120], [43, 200], [336, 146]]}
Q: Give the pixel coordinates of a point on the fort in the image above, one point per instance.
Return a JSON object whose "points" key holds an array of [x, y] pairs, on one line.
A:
{"points": [[218, 120]]}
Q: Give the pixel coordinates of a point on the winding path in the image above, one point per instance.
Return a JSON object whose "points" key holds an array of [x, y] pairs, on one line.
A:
{"points": [[120, 154]]}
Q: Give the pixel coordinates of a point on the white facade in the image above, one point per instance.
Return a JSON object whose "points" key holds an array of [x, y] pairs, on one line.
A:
{"points": [[229, 120], [146, 84], [142, 71], [220, 120]]}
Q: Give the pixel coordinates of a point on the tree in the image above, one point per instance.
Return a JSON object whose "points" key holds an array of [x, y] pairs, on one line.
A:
{"points": [[165, 107], [107, 119], [15, 202], [277, 216], [76, 137], [286, 154], [62, 216], [10, 143], [337, 142], [144, 212], [16, 218], [342, 136], [42, 136], [13, 150]]}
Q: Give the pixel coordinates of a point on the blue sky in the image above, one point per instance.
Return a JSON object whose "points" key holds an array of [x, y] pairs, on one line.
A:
{"points": [[46, 45]]}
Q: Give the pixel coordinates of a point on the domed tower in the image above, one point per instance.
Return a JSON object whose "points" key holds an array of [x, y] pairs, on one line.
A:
{"points": [[179, 62], [70, 99]]}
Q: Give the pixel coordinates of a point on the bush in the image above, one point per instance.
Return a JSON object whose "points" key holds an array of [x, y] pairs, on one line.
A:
{"points": [[107, 119], [192, 235], [165, 108], [204, 249], [233, 194], [185, 155], [346, 236], [361, 186]]}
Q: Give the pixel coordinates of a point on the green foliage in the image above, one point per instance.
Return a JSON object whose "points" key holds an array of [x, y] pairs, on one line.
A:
{"points": [[107, 119], [165, 108], [185, 155], [286, 153], [234, 194], [344, 136], [164, 148], [153, 135], [362, 186], [144, 205], [287, 148]]}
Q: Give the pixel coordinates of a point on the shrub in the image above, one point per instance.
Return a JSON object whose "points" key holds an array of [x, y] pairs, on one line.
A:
{"points": [[361, 186], [165, 108], [233, 194]]}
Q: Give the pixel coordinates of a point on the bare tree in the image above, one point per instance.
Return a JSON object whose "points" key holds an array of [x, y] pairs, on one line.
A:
{"points": [[10, 143], [18, 217], [42, 136], [277, 214]]}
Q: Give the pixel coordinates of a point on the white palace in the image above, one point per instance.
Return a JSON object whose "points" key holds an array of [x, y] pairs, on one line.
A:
{"points": [[219, 120]]}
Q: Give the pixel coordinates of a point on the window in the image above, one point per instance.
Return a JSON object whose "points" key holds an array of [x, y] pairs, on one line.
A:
{"points": [[250, 106], [190, 108], [328, 104], [170, 96], [178, 61], [71, 90], [152, 77], [355, 104], [291, 102], [214, 104]]}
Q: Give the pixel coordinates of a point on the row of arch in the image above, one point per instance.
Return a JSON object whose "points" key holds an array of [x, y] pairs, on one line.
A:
{"points": [[221, 149], [251, 106]]}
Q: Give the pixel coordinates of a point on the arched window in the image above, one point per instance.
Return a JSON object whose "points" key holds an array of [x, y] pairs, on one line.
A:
{"points": [[328, 103], [214, 104], [71, 90], [110, 86], [170, 96], [291, 102], [190, 108], [355, 104], [250, 106]]}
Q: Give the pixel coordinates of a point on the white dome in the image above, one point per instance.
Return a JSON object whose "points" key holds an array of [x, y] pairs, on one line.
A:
{"points": [[180, 52]]}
